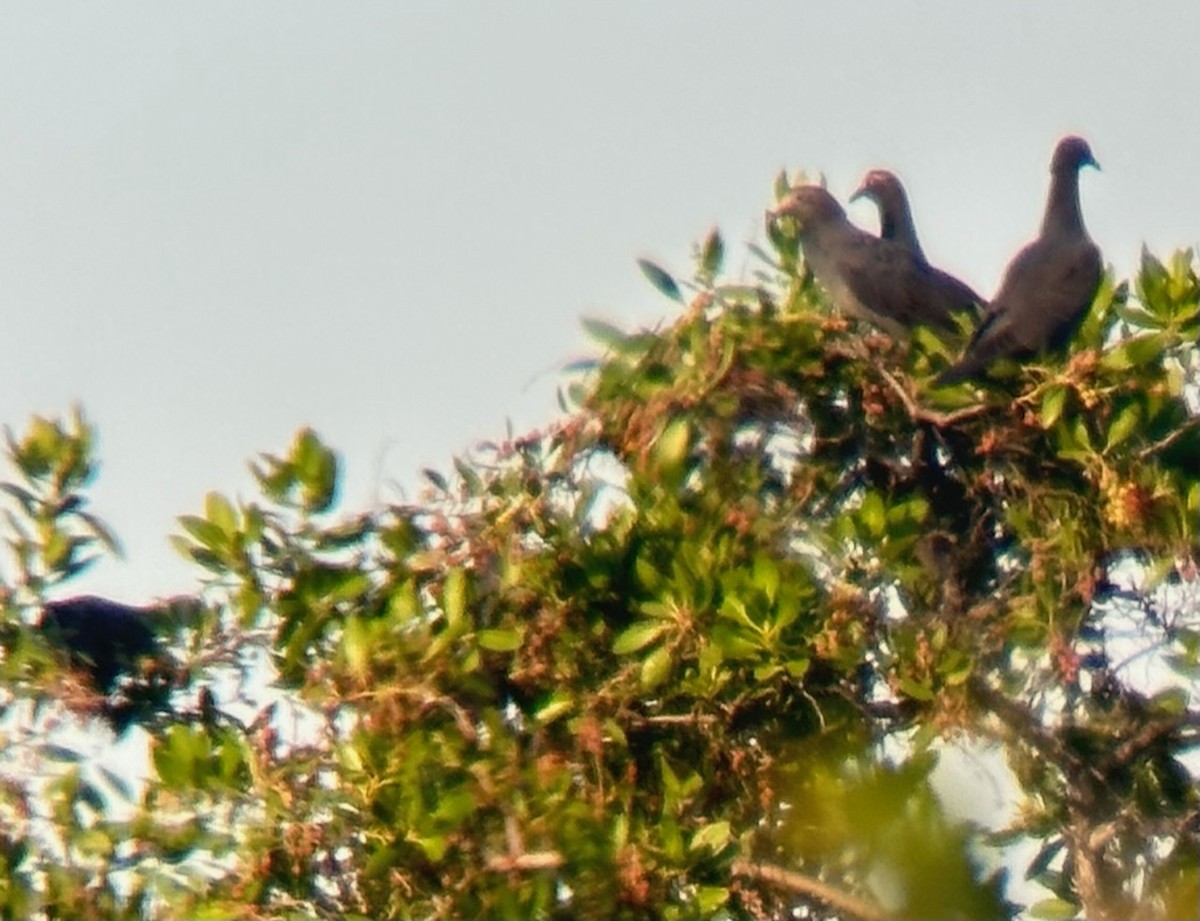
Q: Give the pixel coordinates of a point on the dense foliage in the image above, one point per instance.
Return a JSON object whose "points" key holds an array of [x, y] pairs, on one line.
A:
{"points": [[695, 650]]}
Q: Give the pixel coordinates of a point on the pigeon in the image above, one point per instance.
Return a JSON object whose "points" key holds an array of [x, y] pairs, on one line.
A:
{"points": [[102, 636], [896, 223], [1049, 285], [869, 278], [895, 216]]}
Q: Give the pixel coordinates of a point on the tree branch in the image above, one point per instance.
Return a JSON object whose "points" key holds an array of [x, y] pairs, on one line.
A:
{"points": [[779, 878], [1169, 439], [920, 414]]}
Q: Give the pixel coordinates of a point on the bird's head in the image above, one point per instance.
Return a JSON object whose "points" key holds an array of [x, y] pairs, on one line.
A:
{"points": [[809, 206], [878, 185], [1072, 154]]}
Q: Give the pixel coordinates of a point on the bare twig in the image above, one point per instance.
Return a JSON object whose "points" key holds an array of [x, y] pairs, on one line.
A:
{"points": [[779, 878], [1169, 439], [920, 414], [526, 863], [1024, 724], [674, 719], [1133, 747]]}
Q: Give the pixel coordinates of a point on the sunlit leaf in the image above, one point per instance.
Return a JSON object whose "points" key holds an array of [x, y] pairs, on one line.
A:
{"points": [[1053, 401], [655, 668], [1053, 910], [712, 254], [558, 705], [500, 640], [638, 637], [711, 837], [660, 279]]}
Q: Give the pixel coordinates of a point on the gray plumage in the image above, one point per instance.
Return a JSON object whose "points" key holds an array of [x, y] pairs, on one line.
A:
{"points": [[884, 188], [895, 216], [874, 279], [1049, 285]]}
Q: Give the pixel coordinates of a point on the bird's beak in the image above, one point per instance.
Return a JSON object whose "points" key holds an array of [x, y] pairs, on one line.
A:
{"points": [[1091, 161], [858, 193]]}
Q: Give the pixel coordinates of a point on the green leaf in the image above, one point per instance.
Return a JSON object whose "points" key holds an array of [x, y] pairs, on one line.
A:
{"points": [[1172, 702], [1124, 424], [736, 643], [1134, 353], [61, 753], [605, 333], [797, 668], [930, 342], [712, 837], [660, 279], [28, 502], [454, 806], [219, 511], [766, 577], [1053, 401], [454, 595], [432, 846], [712, 255], [672, 447], [710, 898], [914, 689], [873, 514], [783, 185], [1054, 910], [93, 842], [620, 832], [435, 478], [356, 643], [204, 531], [500, 640], [638, 636], [102, 533], [316, 467], [656, 668], [559, 704]]}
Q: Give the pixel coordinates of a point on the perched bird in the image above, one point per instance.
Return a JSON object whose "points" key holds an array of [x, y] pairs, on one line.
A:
{"points": [[874, 279], [102, 637], [895, 217], [1049, 285], [896, 223]]}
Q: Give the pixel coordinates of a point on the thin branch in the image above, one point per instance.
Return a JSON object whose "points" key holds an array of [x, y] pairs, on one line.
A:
{"points": [[779, 878], [920, 414], [1169, 439], [673, 719], [526, 863], [1025, 724], [1132, 748]]}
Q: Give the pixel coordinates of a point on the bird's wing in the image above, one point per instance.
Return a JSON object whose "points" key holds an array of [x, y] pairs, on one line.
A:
{"points": [[1046, 289], [891, 280], [1042, 297]]}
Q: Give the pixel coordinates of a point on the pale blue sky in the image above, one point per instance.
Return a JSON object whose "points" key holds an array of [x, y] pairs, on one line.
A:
{"points": [[221, 221]]}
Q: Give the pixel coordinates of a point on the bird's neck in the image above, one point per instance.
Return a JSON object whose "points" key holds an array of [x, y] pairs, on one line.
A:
{"points": [[896, 223], [889, 227], [1062, 207]]}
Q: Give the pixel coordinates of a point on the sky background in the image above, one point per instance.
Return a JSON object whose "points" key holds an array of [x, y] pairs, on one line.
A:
{"points": [[223, 221]]}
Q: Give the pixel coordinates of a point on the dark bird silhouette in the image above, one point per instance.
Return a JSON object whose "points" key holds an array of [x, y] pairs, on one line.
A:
{"points": [[895, 216], [1049, 285], [878, 280], [101, 637]]}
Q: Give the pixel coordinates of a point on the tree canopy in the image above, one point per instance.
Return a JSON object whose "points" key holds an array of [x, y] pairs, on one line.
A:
{"points": [[696, 649]]}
